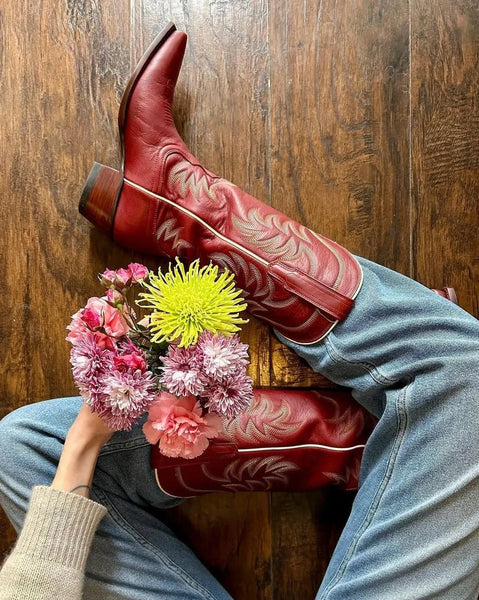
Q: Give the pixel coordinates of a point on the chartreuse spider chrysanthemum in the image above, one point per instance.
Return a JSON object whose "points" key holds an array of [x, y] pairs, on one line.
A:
{"points": [[185, 303]]}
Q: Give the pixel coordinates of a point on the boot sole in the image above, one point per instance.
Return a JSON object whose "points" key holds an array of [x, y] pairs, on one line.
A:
{"points": [[101, 192]]}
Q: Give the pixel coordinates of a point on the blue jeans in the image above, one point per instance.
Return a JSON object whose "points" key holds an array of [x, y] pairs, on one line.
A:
{"points": [[134, 556], [411, 358]]}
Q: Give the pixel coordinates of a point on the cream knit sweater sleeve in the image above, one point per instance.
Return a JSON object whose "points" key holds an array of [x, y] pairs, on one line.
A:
{"points": [[48, 560]]}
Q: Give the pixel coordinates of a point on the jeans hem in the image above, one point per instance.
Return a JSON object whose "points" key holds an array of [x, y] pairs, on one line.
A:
{"points": [[140, 539]]}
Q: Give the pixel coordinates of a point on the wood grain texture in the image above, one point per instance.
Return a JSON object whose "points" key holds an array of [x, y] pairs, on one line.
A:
{"points": [[233, 143], [339, 122], [340, 155], [48, 141], [60, 81], [305, 529], [445, 146], [360, 119]]}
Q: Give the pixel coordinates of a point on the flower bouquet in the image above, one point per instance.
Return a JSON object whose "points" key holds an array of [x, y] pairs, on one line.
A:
{"points": [[183, 362]]}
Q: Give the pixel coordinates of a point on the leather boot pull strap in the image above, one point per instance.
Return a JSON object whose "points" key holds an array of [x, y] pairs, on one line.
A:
{"points": [[318, 294]]}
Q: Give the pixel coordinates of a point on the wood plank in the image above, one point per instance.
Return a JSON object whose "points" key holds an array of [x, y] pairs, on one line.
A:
{"points": [[445, 146], [288, 370], [339, 122], [303, 544], [340, 147], [56, 127], [63, 69], [231, 534], [221, 109]]}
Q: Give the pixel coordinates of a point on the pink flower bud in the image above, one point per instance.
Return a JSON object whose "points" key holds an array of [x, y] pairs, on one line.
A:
{"points": [[123, 278], [115, 297], [138, 272], [107, 277]]}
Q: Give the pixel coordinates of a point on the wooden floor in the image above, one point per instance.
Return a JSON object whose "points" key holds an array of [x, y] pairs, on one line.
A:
{"points": [[359, 118]]}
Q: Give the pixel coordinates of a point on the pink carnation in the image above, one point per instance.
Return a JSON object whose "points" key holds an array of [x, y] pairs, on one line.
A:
{"points": [[176, 424]]}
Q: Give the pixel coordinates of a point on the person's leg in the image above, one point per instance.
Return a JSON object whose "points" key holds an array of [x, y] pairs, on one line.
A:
{"points": [[412, 359], [134, 555]]}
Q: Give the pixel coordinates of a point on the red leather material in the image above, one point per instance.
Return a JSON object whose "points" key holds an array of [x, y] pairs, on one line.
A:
{"points": [[449, 293], [296, 280], [333, 303], [287, 440], [149, 120]]}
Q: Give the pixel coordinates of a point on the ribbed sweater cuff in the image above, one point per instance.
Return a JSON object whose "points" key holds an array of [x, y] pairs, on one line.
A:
{"points": [[59, 527]]}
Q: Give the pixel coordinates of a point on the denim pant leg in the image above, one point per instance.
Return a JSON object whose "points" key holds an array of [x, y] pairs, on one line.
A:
{"points": [[411, 358], [134, 555]]}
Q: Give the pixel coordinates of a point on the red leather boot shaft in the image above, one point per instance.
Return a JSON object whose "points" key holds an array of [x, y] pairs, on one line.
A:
{"points": [[287, 440], [287, 299], [295, 279]]}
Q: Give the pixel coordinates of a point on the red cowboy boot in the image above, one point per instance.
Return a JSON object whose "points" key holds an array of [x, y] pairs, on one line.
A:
{"points": [[287, 440], [164, 202]]}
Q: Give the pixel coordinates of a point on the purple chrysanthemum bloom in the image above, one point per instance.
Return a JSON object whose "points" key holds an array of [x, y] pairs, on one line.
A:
{"points": [[126, 395], [222, 355], [182, 374], [90, 362], [94, 397], [230, 395]]}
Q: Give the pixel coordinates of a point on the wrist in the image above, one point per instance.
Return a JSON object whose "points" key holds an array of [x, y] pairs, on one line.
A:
{"points": [[84, 441], [77, 464], [89, 430]]}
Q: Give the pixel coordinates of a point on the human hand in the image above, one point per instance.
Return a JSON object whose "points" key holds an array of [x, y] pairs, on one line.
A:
{"points": [[83, 443], [89, 428]]}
